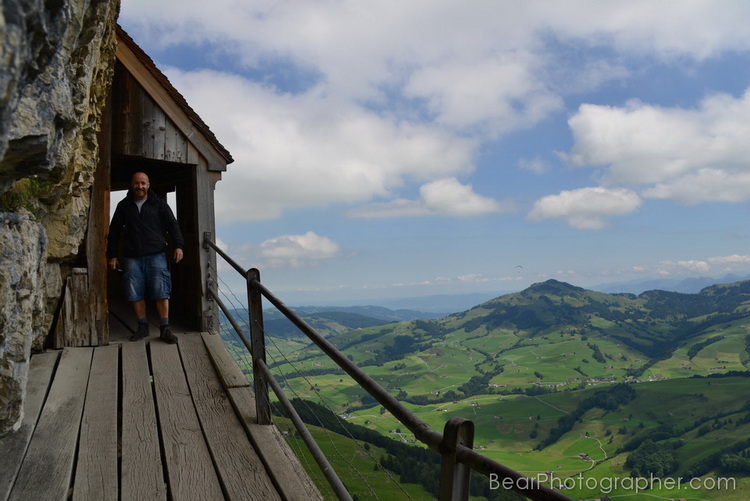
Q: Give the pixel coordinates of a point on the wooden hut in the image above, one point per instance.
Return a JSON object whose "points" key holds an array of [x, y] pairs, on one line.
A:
{"points": [[147, 126]]}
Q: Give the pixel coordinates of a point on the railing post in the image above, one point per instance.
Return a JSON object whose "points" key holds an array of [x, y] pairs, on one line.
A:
{"points": [[454, 475], [258, 344]]}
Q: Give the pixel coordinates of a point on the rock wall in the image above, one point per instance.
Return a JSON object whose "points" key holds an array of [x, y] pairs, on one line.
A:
{"points": [[56, 66]]}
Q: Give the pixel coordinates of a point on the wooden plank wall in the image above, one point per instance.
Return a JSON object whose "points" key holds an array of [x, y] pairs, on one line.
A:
{"points": [[76, 323], [140, 127]]}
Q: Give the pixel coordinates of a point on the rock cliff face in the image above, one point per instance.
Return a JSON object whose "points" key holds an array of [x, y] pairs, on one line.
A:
{"points": [[56, 65]]}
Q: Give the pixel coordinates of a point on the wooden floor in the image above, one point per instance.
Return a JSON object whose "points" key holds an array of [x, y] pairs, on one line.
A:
{"points": [[145, 420]]}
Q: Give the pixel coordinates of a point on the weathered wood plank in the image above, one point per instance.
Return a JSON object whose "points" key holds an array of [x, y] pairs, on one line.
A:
{"points": [[229, 372], [13, 445], [242, 472], [188, 462], [96, 468], [47, 469], [287, 473], [142, 475]]}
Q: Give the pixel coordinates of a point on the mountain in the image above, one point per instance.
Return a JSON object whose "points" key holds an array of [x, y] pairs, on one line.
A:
{"points": [[555, 335], [686, 285]]}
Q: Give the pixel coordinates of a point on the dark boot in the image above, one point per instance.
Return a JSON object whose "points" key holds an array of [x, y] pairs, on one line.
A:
{"points": [[166, 335], [141, 333]]}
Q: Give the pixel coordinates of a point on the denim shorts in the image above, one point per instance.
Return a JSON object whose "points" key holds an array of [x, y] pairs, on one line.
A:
{"points": [[146, 277]]}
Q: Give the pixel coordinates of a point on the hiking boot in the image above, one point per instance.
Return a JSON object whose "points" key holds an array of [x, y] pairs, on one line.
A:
{"points": [[167, 336], [140, 333]]}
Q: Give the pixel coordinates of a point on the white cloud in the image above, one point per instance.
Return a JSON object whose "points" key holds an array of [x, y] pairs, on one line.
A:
{"points": [[586, 208], [393, 93], [445, 197], [691, 156], [735, 263], [301, 151], [288, 251]]}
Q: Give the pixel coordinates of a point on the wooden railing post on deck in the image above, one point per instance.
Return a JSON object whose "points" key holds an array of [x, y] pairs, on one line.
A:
{"points": [[454, 475], [258, 344]]}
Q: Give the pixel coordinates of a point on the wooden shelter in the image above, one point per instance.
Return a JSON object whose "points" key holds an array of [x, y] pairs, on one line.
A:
{"points": [[147, 126]]}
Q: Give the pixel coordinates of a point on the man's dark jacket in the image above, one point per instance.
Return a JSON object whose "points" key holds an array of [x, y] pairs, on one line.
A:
{"points": [[146, 231]]}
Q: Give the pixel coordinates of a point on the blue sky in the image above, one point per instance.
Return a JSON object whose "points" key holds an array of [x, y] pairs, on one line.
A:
{"points": [[396, 149]]}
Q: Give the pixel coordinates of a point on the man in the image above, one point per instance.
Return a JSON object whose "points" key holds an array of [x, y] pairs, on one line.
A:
{"points": [[145, 220]]}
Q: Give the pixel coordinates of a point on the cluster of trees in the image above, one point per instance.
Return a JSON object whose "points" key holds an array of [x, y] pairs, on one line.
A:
{"points": [[598, 355], [714, 461], [651, 458]]}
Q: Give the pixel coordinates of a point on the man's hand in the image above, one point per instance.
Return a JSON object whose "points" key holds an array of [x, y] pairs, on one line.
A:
{"points": [[177, 255], [114, 264]]}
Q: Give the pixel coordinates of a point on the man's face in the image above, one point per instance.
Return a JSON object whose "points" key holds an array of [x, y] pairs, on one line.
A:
{"points": [[139, 185]]}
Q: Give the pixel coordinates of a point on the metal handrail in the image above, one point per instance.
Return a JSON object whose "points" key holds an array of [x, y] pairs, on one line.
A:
{"points": [[451, 448]]}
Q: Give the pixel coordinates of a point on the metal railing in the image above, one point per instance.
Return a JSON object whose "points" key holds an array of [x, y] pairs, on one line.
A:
{"points": [[454, 444]]}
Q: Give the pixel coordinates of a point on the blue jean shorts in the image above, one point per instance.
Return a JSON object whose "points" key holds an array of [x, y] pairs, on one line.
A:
{"points": [[146, 277]]}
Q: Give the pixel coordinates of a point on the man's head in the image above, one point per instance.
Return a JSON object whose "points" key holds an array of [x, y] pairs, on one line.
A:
{"points": [[139, 185]]}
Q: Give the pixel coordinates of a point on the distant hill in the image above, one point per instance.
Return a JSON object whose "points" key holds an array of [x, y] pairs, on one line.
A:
{"points": [[686, 285], [332, 320], [556, 335]]}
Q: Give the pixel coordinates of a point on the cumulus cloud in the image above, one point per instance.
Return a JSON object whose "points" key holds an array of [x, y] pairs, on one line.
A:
{"points": [[445, 197], [586, 208], [297, 151], [288, 251], [687, 155], [322, 108]]}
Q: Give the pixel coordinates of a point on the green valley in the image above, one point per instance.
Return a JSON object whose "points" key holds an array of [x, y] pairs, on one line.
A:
{"points": [[581, 387]]}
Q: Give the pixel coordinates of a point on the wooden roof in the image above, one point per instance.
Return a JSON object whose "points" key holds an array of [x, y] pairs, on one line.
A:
{"points": [[143, 68]]}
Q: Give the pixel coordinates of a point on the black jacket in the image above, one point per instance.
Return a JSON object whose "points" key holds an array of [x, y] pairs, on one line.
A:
{"points": [[145, 232]]}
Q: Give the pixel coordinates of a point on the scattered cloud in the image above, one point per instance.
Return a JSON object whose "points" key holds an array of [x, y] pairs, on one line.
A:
{"points": [[735, 263], [586, 208], [444, 197], [537, 164]]}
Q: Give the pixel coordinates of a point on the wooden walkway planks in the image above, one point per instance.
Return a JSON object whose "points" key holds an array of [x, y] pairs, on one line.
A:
{"points": [[187, 432], [48, 466], [142, 476], [281, 463], [240, 469], [187, 459], [96, 468], [14, 445]]}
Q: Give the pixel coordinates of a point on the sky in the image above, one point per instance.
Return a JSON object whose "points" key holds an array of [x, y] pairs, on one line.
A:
{"points": [[396, 149]]}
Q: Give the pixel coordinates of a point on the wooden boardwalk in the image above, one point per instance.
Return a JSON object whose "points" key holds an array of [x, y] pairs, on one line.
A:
{"points": [[145, 420]]}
